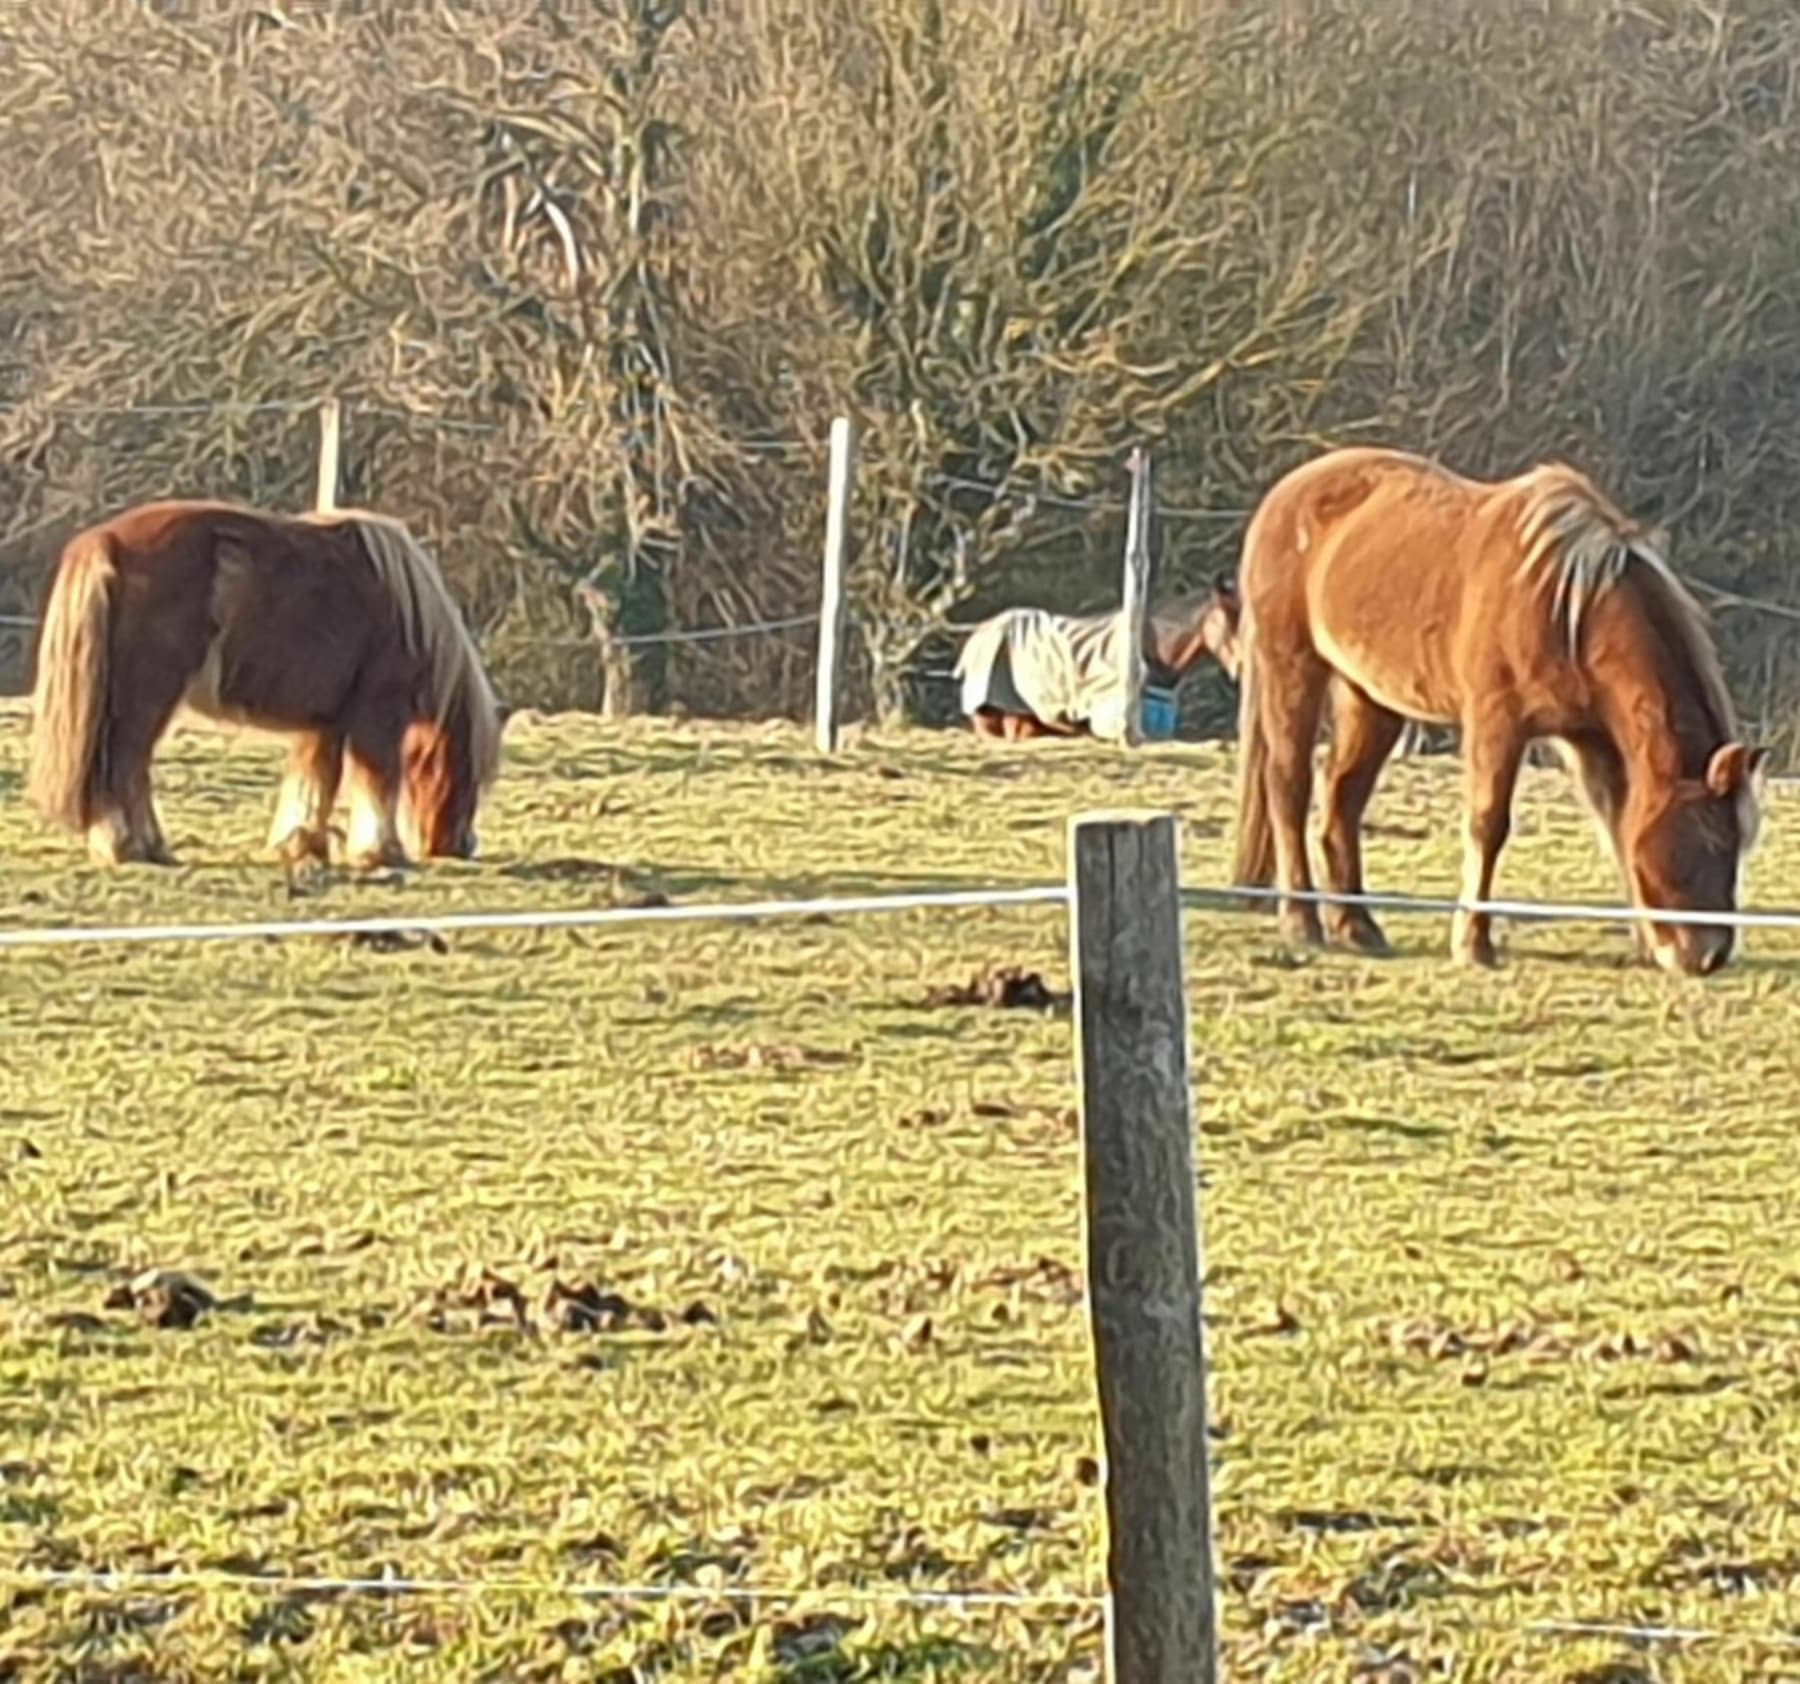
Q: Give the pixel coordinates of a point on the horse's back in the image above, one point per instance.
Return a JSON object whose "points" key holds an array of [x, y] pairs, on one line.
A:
{"points": [[1397, 573], [253, 616]]}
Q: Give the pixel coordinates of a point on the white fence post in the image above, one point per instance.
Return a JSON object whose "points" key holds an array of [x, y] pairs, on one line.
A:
{"points": [[832, 599], [331, 454], [1134, 597]]}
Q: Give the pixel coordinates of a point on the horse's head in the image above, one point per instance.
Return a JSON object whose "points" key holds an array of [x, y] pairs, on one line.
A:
{"points": [[1193, 626], [1684, 846], [442, 780], [1219, 624]]}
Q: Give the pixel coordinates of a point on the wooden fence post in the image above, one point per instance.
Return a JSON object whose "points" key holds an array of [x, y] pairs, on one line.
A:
{"points": [[1143, 1247], [331, 455], [832, 601], [1134, 596]]}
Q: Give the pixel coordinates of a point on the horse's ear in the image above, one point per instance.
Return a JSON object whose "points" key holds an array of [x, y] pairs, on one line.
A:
{"points": [[1731, 766], [1656, 541]]}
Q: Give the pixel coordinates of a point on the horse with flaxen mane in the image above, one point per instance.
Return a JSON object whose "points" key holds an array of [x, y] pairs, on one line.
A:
{"points": [[336, 630], [1029, 673], [1516, 610]]}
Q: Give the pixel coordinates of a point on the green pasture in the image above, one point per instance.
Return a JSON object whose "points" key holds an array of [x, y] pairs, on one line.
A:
{"points": [[719, 1258]]}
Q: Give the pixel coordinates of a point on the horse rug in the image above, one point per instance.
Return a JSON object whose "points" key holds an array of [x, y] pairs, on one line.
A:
{"points": [[1057, 668]]}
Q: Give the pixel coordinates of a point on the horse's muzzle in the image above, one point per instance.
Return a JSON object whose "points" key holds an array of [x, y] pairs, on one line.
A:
{"points": [[1694, 949]]}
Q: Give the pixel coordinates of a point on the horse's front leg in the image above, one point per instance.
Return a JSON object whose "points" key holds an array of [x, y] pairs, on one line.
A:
{"points": [[1494, 752], [301, 829]]}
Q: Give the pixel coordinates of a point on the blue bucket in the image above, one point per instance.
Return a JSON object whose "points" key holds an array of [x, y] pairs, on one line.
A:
{"points": [[1159, 714]]}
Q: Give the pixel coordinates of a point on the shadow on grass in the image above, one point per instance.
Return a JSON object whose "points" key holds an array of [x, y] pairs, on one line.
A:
{"points": [[703, 883], [928, 1657]]}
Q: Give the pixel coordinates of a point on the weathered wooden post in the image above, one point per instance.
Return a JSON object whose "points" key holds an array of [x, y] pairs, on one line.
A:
{"points": [[1143, 1247], [832, 599], [331, 454]]}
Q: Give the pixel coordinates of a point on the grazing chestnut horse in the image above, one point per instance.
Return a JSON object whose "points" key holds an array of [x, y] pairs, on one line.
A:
{"points": [[1524, 609], [334, 629], [1029, 674]]}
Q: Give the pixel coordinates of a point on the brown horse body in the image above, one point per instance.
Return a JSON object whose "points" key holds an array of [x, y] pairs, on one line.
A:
{"points": [[1517, 610], [334, 630], [1177, 637]]}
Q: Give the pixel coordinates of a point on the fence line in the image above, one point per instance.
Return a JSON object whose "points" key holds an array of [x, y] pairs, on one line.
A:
{"points": [[696, 634], [1549, 912], [1087, 505], [1574, 1629], [1751, 604], [145, 1581], [178, 1578], [574, 918], [708, 634], [1212, 898], [225, 406]]}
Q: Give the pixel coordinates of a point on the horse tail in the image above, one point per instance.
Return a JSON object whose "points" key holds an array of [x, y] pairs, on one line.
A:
{"points": [[69, 696], [1254, 866]]}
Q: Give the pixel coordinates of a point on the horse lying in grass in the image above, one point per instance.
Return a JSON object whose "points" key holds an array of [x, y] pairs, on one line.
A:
{"points": [[1028, 673], [1524, 609], [335, 630]]}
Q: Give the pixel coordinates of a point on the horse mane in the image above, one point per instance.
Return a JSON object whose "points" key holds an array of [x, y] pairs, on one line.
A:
{"points": [[1570, 530], [431, 626]]}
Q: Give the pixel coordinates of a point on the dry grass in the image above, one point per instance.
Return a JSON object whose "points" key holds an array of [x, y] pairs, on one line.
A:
{"points": [[1502, 1270]]}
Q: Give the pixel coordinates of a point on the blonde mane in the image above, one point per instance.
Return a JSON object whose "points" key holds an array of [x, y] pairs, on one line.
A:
{"points": [[432, 626], [1570, 530]]}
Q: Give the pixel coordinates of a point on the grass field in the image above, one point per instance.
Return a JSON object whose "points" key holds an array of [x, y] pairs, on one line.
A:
{"points": [[715, 1258]]}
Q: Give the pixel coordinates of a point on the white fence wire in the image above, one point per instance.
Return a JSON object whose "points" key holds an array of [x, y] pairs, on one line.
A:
{"points": [[574, 918], [961, 1603], [1211, 898], [152, 1579], [1550, 912]]}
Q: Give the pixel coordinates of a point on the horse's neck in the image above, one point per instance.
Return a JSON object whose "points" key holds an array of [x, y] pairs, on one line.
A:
{"points": [[1177, 650], [1656, 708]]}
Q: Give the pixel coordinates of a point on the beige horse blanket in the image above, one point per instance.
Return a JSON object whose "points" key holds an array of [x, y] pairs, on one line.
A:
{"points": [[1062, 669]]}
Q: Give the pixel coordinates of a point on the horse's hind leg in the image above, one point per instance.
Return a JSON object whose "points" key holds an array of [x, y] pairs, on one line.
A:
{"points": [[309, 788], [124, 826], [142, 823], [1363, 736], [1292, 697]]}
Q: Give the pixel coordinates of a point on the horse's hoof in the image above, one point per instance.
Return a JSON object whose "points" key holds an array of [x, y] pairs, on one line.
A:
{"points": [[372, 860], [1302, 932], [304, 847], [1477, 955], [157, 858], [1362, 935]]}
